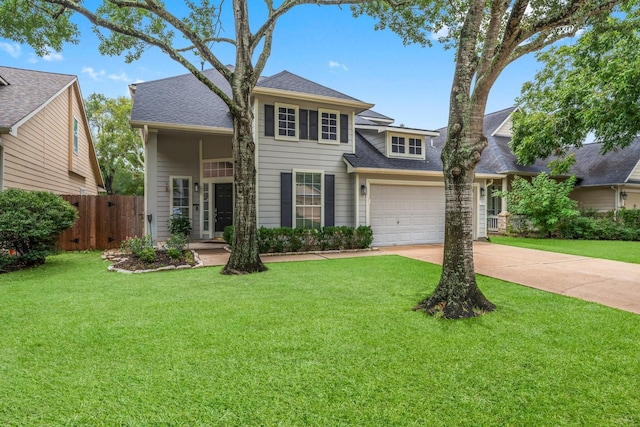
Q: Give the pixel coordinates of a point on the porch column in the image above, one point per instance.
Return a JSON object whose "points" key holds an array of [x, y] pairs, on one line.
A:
{"points": [[503, 216], [151, 183]]}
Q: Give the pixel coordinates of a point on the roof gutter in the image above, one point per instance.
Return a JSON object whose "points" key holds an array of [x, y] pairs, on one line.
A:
{"points": [[398, 129], [381, 171], [181, 127]]}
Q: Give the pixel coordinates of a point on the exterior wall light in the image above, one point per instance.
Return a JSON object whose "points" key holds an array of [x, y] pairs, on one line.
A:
{"points": [[481, 191], [363, 190], [623, 195], [196, 187]]}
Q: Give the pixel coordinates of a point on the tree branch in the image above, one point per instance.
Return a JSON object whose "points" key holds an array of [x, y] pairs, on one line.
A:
{"points": [[132, 32]]}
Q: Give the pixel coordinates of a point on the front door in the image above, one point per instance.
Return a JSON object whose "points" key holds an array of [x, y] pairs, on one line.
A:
{"points": [[223, 201]]}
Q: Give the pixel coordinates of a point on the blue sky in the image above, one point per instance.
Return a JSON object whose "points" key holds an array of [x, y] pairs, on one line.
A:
{"points": [[324, 44]]}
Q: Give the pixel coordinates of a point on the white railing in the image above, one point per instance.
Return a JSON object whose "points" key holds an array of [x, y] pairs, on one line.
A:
{"points": [[492, 223]]}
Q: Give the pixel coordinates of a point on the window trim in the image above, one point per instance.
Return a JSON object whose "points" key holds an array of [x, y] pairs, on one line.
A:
{"points": [[276, 122], [295, 173], [322, 140], [75, 137], [406, 154], [190, 202]]}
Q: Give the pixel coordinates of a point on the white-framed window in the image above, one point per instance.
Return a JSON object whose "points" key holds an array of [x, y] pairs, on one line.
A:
{"points": [[415, 146], [406, 146], [398, 144], [286, 118], [329, 128], [180, 195], [308, 193], [216, 169], [76, 141]]}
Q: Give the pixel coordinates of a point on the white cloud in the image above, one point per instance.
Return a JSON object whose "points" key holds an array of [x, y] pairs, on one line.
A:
{"points": [[52, 56], [441, 33], [13, 49], [334, 64], [95, 75], [122, 77]]}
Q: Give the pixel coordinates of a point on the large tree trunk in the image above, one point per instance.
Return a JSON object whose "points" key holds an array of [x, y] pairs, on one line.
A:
{"points": [[457, 295], [244, 254]]}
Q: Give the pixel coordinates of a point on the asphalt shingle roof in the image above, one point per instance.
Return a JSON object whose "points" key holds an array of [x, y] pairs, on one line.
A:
{"points": [[367, 156], [183, 100], [614, 167], [187, 101], [285, 80], [27, 90], [497, 156]]}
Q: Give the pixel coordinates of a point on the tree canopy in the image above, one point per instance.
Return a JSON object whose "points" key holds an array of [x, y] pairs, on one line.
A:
{"points": [[589, 88], [118, 147]]}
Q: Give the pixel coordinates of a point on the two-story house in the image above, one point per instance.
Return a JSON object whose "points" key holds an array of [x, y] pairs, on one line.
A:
{"points": [[45, 141], [323, 158]]}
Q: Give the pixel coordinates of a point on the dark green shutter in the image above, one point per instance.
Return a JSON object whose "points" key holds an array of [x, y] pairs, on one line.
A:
{"points": [[313, 125], [329, 200], [286, 199], [344, 128], [269, 124], [304, 124]]}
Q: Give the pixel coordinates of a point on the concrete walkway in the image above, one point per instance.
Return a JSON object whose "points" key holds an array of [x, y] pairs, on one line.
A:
{"points": [[612, 283]]}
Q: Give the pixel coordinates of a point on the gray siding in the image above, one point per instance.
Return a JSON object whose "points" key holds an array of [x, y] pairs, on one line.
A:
{"points": [[377, 139], [276, 156], [177, 156]]}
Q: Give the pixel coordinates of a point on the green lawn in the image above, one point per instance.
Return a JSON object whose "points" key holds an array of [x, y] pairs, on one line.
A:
{"points": [[606, 249], [322, 343]]}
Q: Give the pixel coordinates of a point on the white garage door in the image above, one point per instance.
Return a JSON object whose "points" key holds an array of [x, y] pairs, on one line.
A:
{"points": [[405, 215]]}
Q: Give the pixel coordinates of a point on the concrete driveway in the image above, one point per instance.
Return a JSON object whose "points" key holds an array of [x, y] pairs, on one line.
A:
{"points": [[612, 283]]}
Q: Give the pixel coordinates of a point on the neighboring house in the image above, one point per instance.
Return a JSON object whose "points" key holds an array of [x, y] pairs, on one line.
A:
{"points": [[45, 142], [604, 182], [608, 182], [323, 158]]}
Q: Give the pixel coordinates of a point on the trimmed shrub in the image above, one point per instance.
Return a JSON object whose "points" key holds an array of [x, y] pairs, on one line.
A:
{"points": [[180, 225], [286, 239], [30, 223]]}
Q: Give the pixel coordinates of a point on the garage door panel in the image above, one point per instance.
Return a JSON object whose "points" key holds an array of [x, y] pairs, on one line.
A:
{"points": [[406, 214]]}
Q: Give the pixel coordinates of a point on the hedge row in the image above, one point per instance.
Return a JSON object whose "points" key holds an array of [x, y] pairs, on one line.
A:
{"points": [[286, 239], [599, 228]]}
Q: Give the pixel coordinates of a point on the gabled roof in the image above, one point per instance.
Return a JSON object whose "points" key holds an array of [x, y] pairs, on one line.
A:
{"points": [[287, 81], [182, 100], [26, 92], [185, 101], [612, 168], [497, 156], [369, 157]]}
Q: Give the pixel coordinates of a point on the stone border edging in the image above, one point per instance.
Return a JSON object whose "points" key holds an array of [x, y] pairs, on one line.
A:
{"points": [[113, 258]]}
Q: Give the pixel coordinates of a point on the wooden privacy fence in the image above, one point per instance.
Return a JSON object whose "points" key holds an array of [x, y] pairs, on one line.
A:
{"points": [[103, 222]]}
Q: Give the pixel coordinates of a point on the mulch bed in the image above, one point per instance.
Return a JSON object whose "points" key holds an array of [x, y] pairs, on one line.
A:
{"points": [[131, 263]]}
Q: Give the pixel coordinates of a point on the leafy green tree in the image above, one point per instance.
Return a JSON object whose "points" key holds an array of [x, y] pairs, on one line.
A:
{"points": [[543, 201], [588, 87], [487, 36], [118, 146], [133, 26]]}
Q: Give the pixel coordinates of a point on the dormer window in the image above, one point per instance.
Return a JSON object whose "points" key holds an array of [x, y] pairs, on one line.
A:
{"points": [[405, 146]]}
